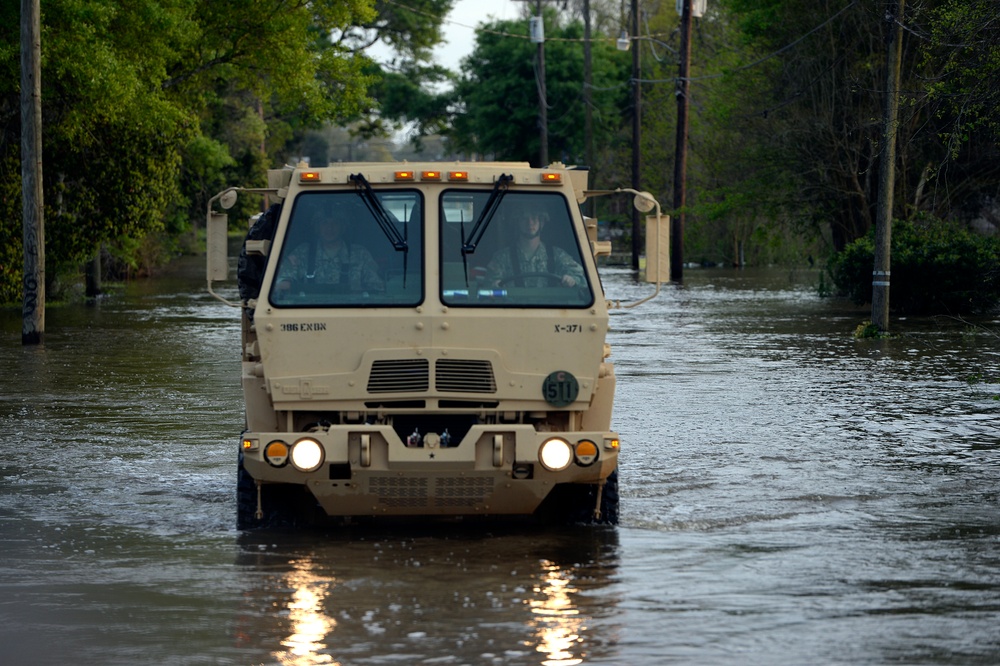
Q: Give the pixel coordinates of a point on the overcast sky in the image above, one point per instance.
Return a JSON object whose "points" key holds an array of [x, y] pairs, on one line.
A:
{"points": [[459, 26]]}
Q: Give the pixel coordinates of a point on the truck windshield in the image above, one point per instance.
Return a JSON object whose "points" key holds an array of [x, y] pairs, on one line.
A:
{"points": [[528, 255], [335, 253]]}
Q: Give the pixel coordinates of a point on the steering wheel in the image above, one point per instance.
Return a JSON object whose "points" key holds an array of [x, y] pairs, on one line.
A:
{"points": [[523, 276]]}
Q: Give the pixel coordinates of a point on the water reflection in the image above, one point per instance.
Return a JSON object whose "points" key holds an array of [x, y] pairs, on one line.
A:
{"points": [[557, 619], [308, 621], [514, 598]]}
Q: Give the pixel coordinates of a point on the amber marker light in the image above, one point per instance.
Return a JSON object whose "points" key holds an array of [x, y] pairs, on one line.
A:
{"points": [[309, 177], [586, 453], [404, 175], [276, 453], [458, 176], [611, 444], [554, 178], [430, 175], [250, 444]]}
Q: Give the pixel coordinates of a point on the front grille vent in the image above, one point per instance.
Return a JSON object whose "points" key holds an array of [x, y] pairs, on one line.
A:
{"points": [[417, 493], [452, 492], [464, 376], [406, 492], [399, 376]]}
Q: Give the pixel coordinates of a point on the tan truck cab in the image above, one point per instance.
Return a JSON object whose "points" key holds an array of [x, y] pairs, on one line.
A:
{"points": [[423, 340]]}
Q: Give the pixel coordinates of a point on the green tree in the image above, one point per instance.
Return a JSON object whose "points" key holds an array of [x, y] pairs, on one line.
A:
{"points": [[937, 268], [965, 40], [128, 90], [496, 107], [821, 94]]}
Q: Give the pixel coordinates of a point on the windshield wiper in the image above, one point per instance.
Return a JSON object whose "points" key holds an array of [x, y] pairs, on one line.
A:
{"points": [[483, 221], [385, 222]]}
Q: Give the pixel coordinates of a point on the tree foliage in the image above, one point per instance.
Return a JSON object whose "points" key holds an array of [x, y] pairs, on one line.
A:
{"points": [[965, 50], [937, 268], [497, 107], [149, 106]]}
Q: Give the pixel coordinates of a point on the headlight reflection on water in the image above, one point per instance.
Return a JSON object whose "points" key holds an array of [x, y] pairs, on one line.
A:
{"points": [[308, 622], [556, 619]]}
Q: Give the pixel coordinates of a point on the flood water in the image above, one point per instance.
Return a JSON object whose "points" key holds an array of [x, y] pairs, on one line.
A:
{"points": [[789, 496]]}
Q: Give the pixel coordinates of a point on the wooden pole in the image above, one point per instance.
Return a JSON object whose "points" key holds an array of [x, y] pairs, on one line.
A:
{"points": [[588, 111], [680, 150], [636, 134], [543, 111], [33, 227], [887, 172]]}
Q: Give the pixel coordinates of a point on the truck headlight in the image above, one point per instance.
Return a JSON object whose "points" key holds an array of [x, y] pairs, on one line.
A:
{"points": [[307, 455], [555, 454]]}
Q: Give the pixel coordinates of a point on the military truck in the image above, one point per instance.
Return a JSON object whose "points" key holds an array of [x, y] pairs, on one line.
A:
{"points": [[422, 341]]}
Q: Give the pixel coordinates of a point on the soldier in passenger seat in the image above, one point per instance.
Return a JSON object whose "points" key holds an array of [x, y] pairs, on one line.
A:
{"points": [[329, 259]]}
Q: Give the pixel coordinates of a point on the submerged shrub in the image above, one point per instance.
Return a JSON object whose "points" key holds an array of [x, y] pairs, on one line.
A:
{"points": [[935, 267]]}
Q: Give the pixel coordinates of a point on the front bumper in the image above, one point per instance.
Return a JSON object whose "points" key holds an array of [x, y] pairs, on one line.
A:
{"points": [[368, 470]]}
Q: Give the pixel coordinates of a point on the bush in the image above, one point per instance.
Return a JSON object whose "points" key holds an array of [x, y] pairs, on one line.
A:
{"points": [[935, 268]]}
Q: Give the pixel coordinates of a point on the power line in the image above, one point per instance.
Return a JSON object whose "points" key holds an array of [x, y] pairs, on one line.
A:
{"points": [[705, 77], [502, 33]]}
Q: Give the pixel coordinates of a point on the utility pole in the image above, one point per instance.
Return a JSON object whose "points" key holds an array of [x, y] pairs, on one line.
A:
{"points": [[33, 227], [537, 31], [887, 172], [636, 133], [588, 112], [680, 149], [588, 80]]}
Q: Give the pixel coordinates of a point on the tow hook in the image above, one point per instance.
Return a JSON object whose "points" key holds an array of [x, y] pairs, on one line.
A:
{"points": [[597, 507], [260, 511]]}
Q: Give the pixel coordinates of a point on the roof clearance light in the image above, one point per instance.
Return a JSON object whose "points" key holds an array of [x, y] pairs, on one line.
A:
{"points": [[404, 175], [309, 177], [458, 176], [549, 177], [430, 175]]}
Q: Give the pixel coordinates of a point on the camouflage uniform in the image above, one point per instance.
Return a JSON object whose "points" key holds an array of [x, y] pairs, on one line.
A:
{"points": [[555, 261], [353, 266]]}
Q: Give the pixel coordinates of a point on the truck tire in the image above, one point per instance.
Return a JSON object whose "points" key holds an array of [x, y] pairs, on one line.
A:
{"points": [[573, 504], [283, 505], [246, 499], [610, 501]]}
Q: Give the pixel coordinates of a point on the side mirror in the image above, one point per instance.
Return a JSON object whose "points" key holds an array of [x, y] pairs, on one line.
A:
{"points": [[644, 202], [216, 239], [657, 248], [217, 236], [228, 199]]}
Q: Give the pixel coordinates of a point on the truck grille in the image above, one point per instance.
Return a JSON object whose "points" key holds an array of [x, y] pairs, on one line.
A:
{"points": [[462, 491], [449, 492], [450, 375], [399, 492], [399, 376], [464, 376]]}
